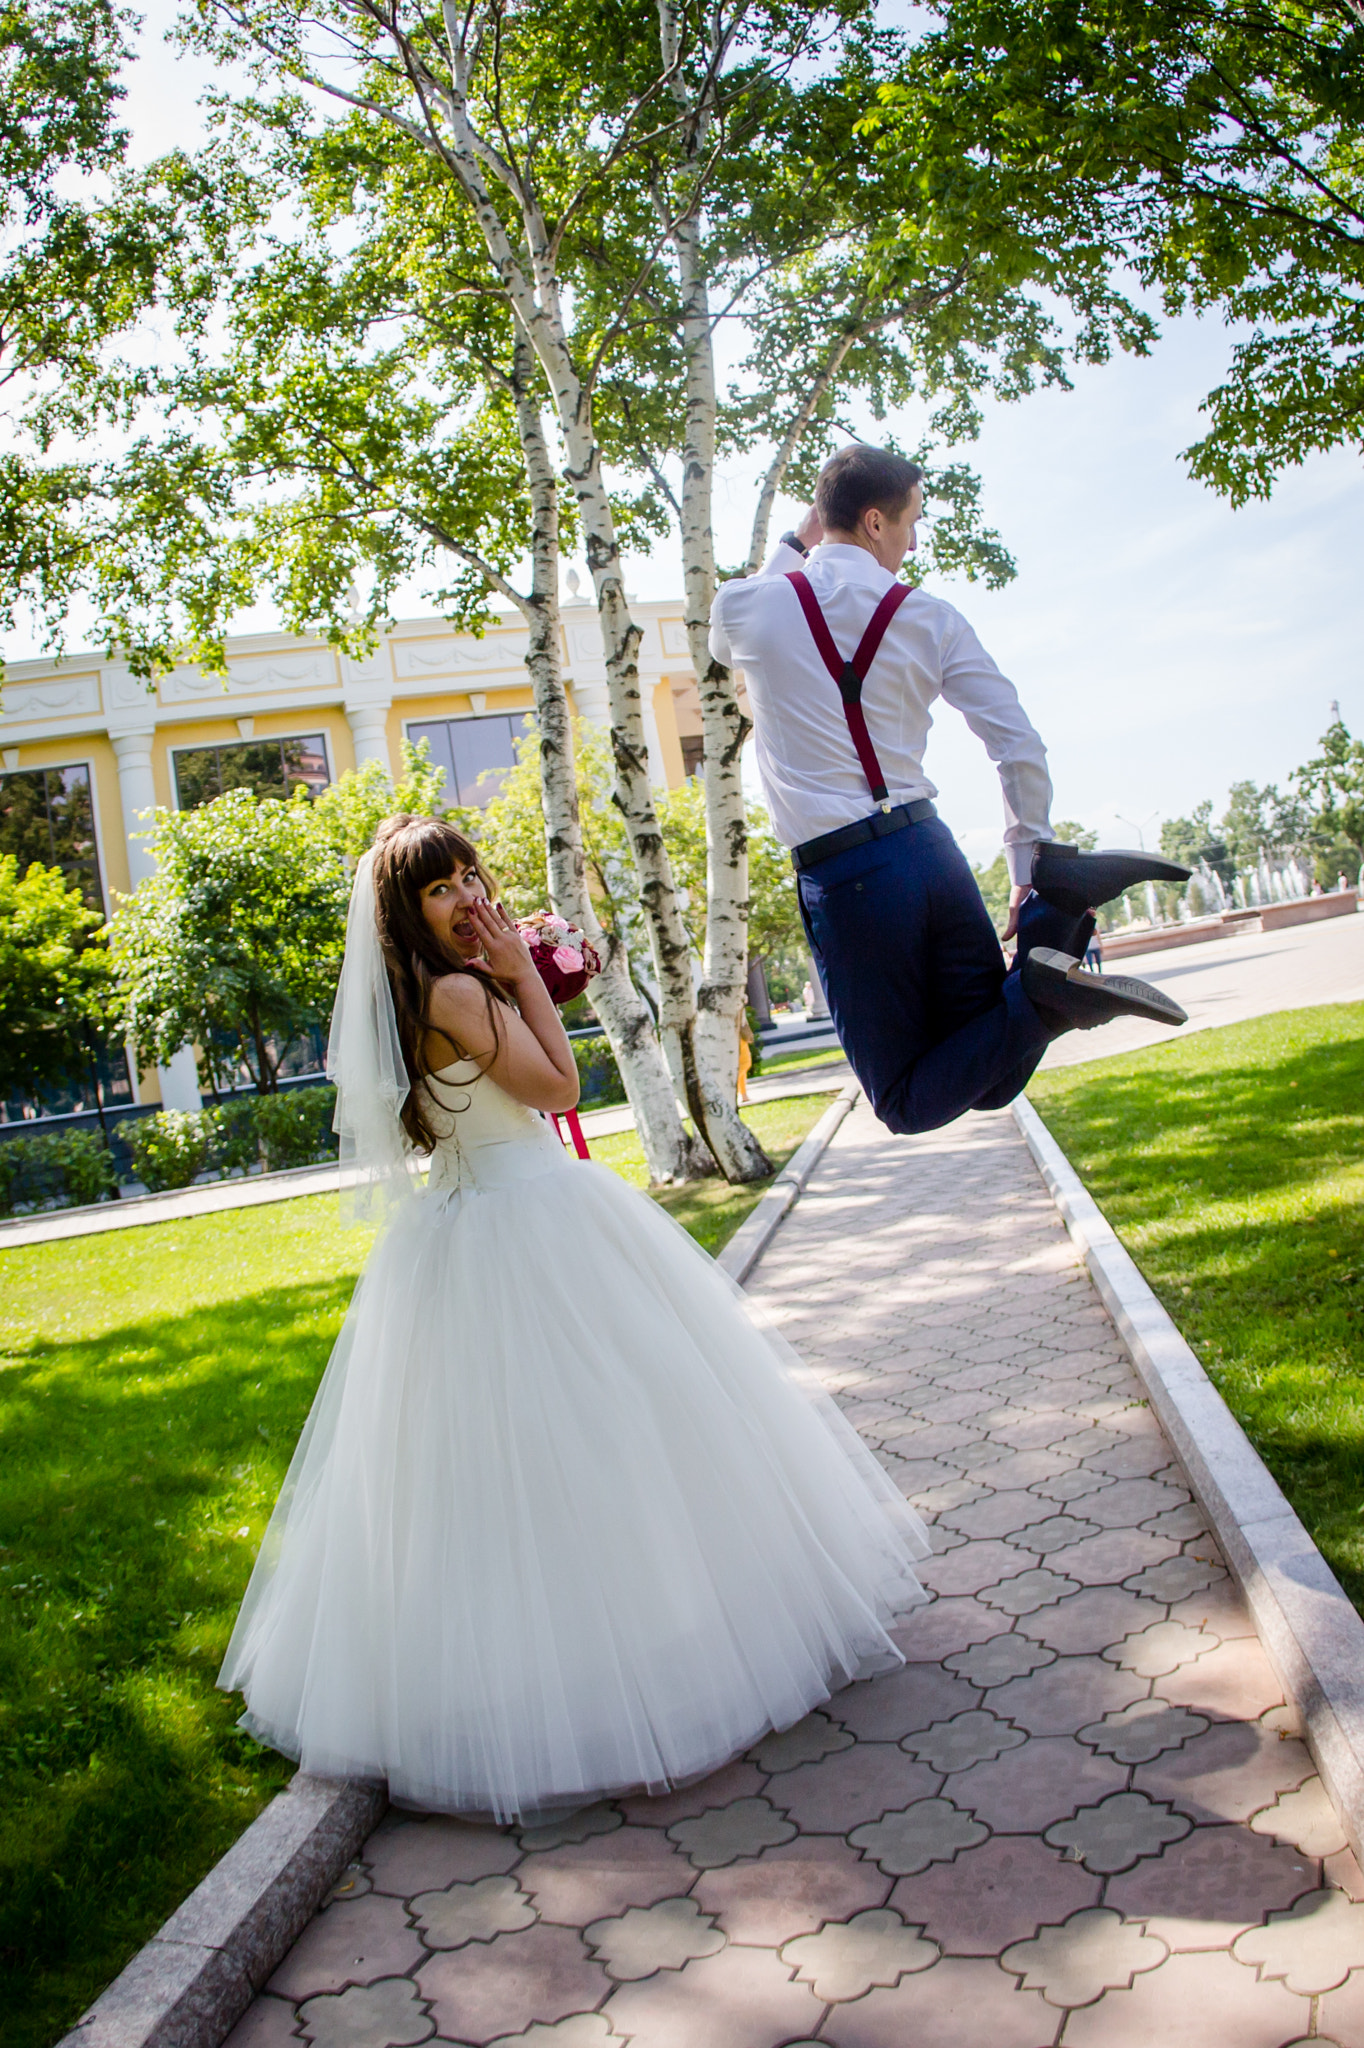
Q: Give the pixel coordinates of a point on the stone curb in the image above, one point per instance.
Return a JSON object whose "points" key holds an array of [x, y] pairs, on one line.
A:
{"points": [[195, 1978], [756, 1232], [1308, 1626]]}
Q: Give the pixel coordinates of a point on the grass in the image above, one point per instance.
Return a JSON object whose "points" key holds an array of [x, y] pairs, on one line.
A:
{"points": [[152, 1385], [1232, 1167], [775, 1062]]}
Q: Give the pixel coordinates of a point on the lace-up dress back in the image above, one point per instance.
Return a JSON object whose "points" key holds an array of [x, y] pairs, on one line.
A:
{"points": [[564, 1519]]}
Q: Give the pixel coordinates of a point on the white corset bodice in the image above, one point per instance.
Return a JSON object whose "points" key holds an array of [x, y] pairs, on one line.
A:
{"points": [[487, 1139]]}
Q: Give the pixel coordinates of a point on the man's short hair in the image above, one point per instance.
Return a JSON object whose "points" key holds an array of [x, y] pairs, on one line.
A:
{"points": [[859, 477]]}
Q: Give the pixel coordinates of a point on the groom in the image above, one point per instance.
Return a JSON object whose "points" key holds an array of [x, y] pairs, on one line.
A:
{"points": [[843, 662]]}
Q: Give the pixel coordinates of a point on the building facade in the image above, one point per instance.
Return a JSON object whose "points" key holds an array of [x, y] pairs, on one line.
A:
{"points": [[87, 748]]}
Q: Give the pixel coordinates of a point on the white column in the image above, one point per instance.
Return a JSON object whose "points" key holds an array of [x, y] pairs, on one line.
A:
{"points": [[133, 751], [819, 1007], [369, 729]]}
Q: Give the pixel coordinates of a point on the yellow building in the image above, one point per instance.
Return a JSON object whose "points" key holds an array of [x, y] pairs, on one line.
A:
{"points": [[87, 747]]}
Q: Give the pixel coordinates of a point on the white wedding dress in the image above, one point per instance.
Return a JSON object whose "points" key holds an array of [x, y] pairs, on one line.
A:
{"points": [[564, 1520]]}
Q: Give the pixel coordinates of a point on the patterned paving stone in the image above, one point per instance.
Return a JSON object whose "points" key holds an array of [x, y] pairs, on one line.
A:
{"points": [[502, 1986], [1119, 1831], [1164, 1647], [826, 1891], [269, 2023], [946, 1625], [649, 1938], [957, 2004], [1202, 1892], [1025, 1592], [930, 1831], [740, 1998], [973, 1738], [1204, 2001], [1065, 1695], [1235, 1683], [975, 1567], [1093, 1951], [1142, 1731], [845, 1959], [350, 1943], [996, 1894], [472, 1912], [861, 1784], [741, 1829], [584, 1880], [390, 2011], [1175, 1579], [1112, 1556], [1234, 1770], [1312, 1947], [1305, 1818], [791, 1890], [581, 1826], [1001, 1658], [406, 1855], [885, 1709], [807, 1743]]}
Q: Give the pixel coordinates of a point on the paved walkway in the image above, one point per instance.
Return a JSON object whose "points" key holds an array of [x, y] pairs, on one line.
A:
{"points": [[1080, 1815], [1229, 980]]}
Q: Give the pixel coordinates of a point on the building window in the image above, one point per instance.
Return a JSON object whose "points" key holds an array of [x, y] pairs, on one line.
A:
{"points": [[267, 767], [693, 753], [475, 753], [47, 815]]}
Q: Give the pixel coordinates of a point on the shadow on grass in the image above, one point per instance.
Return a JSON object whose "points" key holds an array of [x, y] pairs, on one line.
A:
{"points": [[1232, 1166], [139, 1471]]}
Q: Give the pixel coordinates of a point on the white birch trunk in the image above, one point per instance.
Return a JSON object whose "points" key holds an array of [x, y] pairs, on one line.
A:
{"points": [[720, 998], [535, 302], [670, 1153]]}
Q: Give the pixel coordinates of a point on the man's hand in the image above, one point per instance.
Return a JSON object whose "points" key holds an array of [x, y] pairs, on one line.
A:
{"points": [[810, 532], [1018, 896]]}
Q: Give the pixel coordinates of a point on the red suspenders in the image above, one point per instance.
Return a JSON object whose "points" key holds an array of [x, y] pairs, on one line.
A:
{"points": [[850, 675]]}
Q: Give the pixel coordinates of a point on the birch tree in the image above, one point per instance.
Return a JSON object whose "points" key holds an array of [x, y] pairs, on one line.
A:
{"points": [[527, 152]]}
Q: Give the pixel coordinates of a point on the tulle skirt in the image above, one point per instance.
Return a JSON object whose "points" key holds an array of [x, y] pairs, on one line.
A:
{"points": [[564, 1519]]}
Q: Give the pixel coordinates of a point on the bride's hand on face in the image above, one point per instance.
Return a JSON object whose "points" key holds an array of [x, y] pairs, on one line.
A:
{"points": [[506, 954]]}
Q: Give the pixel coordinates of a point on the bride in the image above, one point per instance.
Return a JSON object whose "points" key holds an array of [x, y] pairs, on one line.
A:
{"points": [[563, 1521]]}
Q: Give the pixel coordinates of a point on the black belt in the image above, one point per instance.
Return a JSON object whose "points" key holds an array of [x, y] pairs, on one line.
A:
{"points": [[879, 825]]}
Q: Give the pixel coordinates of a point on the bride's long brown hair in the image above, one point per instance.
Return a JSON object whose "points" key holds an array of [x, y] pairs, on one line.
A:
{"points": [[409, 853]]}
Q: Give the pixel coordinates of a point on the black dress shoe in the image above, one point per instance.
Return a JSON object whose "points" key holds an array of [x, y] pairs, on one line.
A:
{"points": [[1077, 882], [1057, 985]]}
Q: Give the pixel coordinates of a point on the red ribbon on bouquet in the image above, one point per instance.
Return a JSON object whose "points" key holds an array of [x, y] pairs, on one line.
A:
{"points": [[575, 1131]]}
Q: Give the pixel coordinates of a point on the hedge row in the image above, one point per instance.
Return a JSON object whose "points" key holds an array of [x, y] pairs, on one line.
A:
{"points": [[62, 1170]]}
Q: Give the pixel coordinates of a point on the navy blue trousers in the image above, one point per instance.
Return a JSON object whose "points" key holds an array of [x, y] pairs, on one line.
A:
{"points": [[912, 967]]}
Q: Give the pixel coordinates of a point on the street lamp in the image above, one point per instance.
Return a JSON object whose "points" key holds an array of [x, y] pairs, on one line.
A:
{"points": [[1138, 829]]}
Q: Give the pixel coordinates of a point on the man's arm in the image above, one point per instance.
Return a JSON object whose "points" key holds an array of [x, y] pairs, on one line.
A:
{"points": [[989, 703], [781, 561]]}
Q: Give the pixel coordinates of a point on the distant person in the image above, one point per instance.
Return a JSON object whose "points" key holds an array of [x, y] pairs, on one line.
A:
{"points": [[745, 1055], [807, 996], [843, 664], [1094, 953], [1341, 884]]}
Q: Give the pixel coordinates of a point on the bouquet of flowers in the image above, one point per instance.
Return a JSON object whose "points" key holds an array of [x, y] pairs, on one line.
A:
{"points": [[565, 961]]}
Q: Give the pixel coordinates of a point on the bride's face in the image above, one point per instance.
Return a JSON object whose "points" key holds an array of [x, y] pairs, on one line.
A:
{"points": [[445, 906]]}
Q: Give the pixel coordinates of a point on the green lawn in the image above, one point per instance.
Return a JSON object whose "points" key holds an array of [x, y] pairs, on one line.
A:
{"points": [[152, 1385], [1232, 1166], [777, 1062]]}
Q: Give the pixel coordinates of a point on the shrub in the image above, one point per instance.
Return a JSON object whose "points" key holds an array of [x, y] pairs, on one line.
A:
{"points": [[56, 1169], [295, 1127], [598, 1074], [170, 1148], [236, 1145]]}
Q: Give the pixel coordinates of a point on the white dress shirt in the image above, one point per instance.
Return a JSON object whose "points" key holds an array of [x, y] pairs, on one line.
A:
{"points": [[811, 776]]}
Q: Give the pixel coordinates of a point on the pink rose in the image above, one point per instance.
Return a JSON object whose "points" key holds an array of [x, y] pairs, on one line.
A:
{"points": [[566, 958]]}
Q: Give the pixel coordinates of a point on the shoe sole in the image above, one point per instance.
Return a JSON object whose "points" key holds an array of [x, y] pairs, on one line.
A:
{"points": [[1104, 996]]}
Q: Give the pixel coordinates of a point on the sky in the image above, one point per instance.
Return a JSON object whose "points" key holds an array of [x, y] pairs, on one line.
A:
{"points": [[1163, 644]]}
